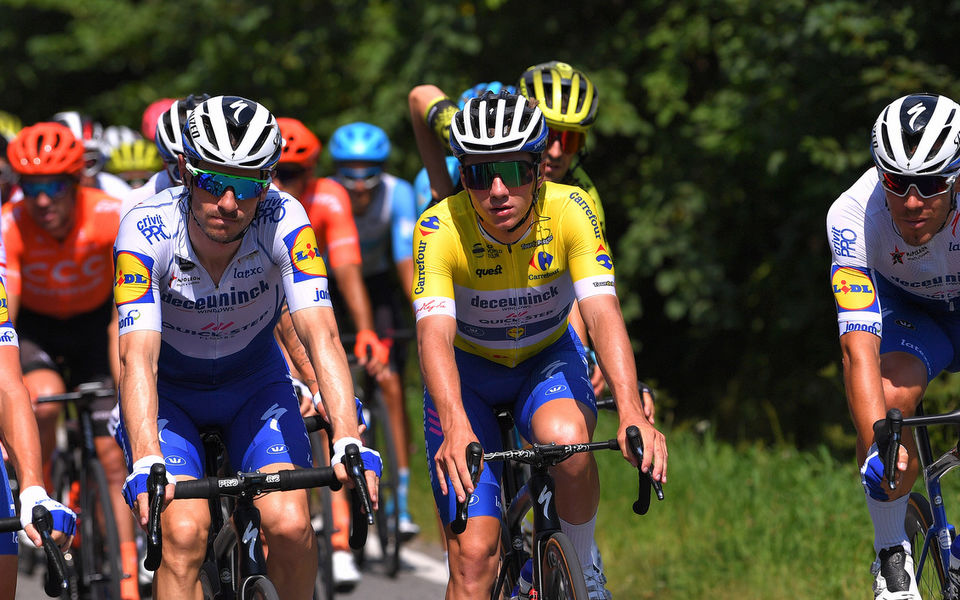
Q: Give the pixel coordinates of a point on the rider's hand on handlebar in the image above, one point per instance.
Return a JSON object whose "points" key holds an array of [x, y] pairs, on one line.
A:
{"points": [[451, 461], [654, 448]]}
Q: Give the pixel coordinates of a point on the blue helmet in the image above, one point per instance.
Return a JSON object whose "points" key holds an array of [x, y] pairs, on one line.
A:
{"points": [[421, 184], [359, 141], [480, 88]]}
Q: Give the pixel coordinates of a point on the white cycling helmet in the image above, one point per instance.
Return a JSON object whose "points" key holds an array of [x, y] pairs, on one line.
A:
{"points": [[90, 134], [918, 134], [115, 136], [496, 123], [233, 132]]}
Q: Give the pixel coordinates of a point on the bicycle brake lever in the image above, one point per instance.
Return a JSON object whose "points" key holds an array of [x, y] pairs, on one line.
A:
{"points": [[474, 454], [156, 488], [360, 497], [646, 480], [55, 580], [893, 449]]}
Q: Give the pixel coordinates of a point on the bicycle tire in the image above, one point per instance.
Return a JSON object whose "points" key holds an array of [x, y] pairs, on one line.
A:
{"points": [[258, 587], [322, 506], [560, 571], [919, 519], [388, 517], [100, 543], [209, 580]]}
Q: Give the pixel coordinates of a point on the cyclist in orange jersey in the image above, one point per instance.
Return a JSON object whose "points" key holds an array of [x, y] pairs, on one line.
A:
{"points": [[328, 207], [59, 243]]}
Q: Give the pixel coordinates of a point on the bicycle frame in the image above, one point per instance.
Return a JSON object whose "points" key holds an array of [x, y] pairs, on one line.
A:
{"points": [[932, 471]]}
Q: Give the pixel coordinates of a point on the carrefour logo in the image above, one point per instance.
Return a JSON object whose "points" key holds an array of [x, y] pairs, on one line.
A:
{"points": [[541, 260], [304, 254], [133, 278], [429, 225], [853, 288]]}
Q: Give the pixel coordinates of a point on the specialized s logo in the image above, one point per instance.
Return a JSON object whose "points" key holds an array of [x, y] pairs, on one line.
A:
{"points": [[603, 258], [429, 225], [853, 289], [304, 254], [132, 283], [541, 260]]}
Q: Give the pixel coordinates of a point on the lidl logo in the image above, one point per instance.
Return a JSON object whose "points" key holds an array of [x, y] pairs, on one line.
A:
{"points": [[853, 288], [304, 254], [429, 225], [4, 311], [516, 332], [133, 278], [541, 260]]}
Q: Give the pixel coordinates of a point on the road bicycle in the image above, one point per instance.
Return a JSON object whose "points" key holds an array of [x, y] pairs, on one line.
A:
{"points": [[557, 573], [321, 508], [80, 482], [235, 565], [55, 582], [926, 524]]}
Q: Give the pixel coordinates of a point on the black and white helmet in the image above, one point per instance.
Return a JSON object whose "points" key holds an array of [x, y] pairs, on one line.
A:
{"points": [[495, 123], [918, 134], [233, 132]]}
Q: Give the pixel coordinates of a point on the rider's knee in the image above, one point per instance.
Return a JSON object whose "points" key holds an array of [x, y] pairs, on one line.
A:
{"points": [[288, 526], [184, 535], [473, 557]]}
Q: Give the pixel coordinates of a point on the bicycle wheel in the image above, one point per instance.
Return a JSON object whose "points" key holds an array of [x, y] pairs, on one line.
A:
{"points": [[560, 572], [381, 438], [932, 581], [258, 587], [99, 542], [321, 511], [66, 490]]}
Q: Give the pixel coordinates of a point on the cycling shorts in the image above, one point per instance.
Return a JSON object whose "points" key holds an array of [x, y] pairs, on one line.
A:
{"points": [[8, 540], [258, 418], [559, 371], [76, 348], [924, 328]]}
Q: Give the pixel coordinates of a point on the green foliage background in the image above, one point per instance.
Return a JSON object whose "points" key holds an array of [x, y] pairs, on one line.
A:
{"points": [[726, 129]]}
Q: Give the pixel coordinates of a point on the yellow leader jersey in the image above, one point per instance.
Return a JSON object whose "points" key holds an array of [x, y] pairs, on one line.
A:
{"points": [[510, 300]]}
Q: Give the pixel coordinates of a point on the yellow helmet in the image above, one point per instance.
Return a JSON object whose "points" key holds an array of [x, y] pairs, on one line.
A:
{"points": [[138, 155], [566, 95], [10, 125]]}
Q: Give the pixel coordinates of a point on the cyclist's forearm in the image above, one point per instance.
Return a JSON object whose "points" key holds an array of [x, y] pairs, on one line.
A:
{"points": [[317, 329], [350, 281], [138, 399], [432, 151], [18, 429], [296, 351], [862, 380], [439, 368]]}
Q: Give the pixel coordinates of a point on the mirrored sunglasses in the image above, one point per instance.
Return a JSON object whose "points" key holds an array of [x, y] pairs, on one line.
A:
{"points": [[927, 185], [570, 141], [513, 173], [52, 187], [217, 184]]}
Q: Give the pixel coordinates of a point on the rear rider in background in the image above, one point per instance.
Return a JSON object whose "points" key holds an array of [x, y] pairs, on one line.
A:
{"points": [[384, 210], [892, 235]]}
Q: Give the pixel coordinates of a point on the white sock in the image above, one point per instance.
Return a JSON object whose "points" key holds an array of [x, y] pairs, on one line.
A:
{"points": [[582, 538], [888, 520]]}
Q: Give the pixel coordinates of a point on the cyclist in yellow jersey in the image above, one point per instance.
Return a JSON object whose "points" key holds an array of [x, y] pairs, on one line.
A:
{"points": [[497, 268]]}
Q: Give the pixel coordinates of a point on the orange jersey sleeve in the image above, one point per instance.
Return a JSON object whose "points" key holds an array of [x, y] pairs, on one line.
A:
{"points": [[63, 278], [328, 208]]}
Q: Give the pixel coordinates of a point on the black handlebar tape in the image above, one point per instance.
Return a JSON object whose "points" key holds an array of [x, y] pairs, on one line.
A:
{"points": [[642, 505], [10, 524], [309, 478], [317, 423], [474, 453], [156, 489], [56, 578], [205, 488]]}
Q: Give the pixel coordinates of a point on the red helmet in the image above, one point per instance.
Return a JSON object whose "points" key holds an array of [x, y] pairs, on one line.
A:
{"points": [[150, 116], [46, 149], [301, 146]]}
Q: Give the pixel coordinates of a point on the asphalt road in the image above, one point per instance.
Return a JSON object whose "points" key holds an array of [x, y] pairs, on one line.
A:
{"points": [[423, 576]]}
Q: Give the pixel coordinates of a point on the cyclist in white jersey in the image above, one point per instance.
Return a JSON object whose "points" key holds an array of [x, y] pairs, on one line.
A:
{"points": [[202, 273], [896, 282]]}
